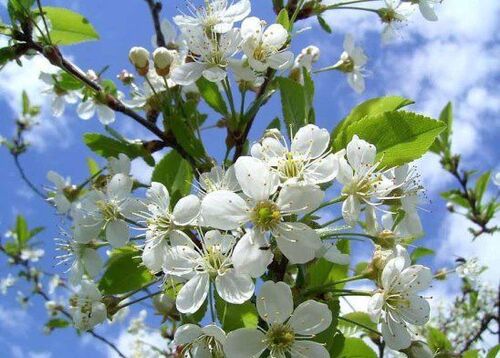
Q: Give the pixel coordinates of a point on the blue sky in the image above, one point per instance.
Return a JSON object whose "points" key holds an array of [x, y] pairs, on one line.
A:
{"points": [[455, 59]]}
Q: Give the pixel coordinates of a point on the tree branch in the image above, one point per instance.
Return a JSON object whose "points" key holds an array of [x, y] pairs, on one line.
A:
{"points": [[155, 8], [26, 179]]}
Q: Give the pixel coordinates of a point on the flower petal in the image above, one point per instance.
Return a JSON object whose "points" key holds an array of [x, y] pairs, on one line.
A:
{"points": [[274, 302], [311, 317], [297, 241], [186, 210], [234, 287], [119, 186], [299, 197], [301, 349], [86, 110], [375, 305], [249, 257], [224, 210], [416, 312], [106, 115], [245, 343], [322, 170], [360, 154], [281, 61], [395, 335], [311, 141], [193, 294], [117, 233], [256, 179], [187, 333], [187, 73], [181, 260], [275, 36]]}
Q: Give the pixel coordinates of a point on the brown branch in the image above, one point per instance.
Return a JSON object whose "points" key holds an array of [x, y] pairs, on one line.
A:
{"points": [[26, 179], [155, 8]]}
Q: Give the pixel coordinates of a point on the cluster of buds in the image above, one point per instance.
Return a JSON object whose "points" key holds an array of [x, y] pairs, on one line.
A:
{"points": [[162, 60], [139, 57]]}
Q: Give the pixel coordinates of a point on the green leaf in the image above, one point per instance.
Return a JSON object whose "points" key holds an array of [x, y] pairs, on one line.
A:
{"points": [[234, 316], [437, 340], [68, 27], [68, 82], [22, 231], [400, 137], [36, 231], [471, 354], [108, 147], [446, 116], [293, 102], [283, 19], [324, 25], [370, 107], [274, 124], [186, 138], [7, 54], [493, 352], [93, 166], [57, 323], [356, 348], [211, 94], [420, 252], [26, 103], [322, 272], [175, 173], [331, 337], [19, 9], [456, 198], [348, 328], [124, 272], [481, 185]]}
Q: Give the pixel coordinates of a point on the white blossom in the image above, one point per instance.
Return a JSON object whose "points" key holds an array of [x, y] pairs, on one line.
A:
{"points": [[164, 225], [6, 283], [83, 260], [212, 262], [200, 341], [352, 62], [362, 183], [119, 165], [108, 211], [210, 56], [87, 309], [264, 48], [87, 109], [304, 60], [63, 189], [469, 269], [266, 209], [393, 16], [59, 96], [398, 303], [217, 16], [32, 254], [218, 179], [288, 331], [307, 160]]}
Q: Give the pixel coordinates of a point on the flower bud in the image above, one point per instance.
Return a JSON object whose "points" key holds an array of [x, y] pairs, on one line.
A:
{"points": [[418, 349], [139, 57], [126, 77], [163, 304], [163, 59]]}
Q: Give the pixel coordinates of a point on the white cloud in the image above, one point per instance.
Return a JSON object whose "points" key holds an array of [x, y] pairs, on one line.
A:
{"points": [[14, 319], [13, 80], [126, 343]]}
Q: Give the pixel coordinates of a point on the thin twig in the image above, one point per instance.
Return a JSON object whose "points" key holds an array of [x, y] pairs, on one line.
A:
{"points": [[26, 180], [155, 8]]}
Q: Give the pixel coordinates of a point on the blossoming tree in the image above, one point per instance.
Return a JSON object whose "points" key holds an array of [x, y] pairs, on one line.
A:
{"points": [[248, 256]]}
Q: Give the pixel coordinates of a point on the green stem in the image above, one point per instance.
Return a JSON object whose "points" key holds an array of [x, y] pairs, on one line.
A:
{"points": [[356, 8], [324, 205], [333, 221], [211, 302], [328, 286], [341, 4], [138, 300], [229, 95], [137, 290], [360, 325]]}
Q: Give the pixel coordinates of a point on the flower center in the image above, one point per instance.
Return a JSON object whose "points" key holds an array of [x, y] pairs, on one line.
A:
{"points": [[260, 53], [280, 338], [266, 215], [215, 261], [291, 167], [396, 300], [109, 210]]}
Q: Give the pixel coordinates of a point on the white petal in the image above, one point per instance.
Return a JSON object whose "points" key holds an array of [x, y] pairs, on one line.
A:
{"points": [[193, 294], [356, 81], [415, 278], [333, 254], [158, 195], [249, 257], [311, 141], [92, 262], [297, 241], [238, 11], [86, 110], [187, 73], [275, 36], [181, 260], [187, 333], [214, 331], [310, 317], [87, 230], [281, 60], [360, 154], [396, 335], [301, 349], [180, 238], [224, 210], [58, 105], [153, 255], [186, 210], [299, 198], [213, 239], [349, 43], [117, 233], [427, 11], [274, 302], [234, 287], [392, 272], [272, 150], [119, 186], [351, 208], [417, 312], [245, 343], [106, 115], [251, 27], [256, 179], [214, 74], [345, 175], [322, 170], [375, 305]]}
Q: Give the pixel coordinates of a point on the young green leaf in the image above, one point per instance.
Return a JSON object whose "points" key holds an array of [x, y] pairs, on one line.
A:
{"points": [[211, 94], [68, 27], [420, 252], [370, 107], [400, 137], [324, 25], [294, 105], [356, 348], [124, 272], [482, 185], [283, 19], [175, 173]]}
